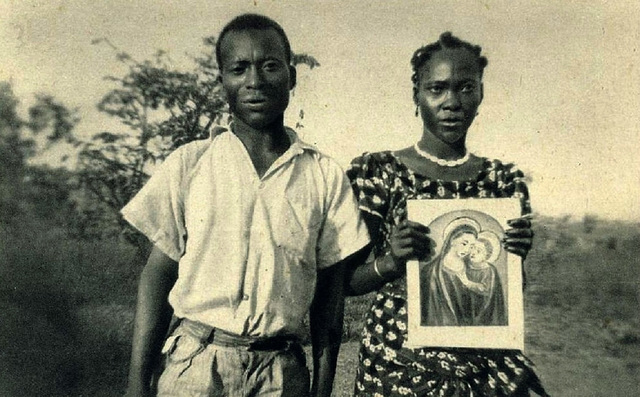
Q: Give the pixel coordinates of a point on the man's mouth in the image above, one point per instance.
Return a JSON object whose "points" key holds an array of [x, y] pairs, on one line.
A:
{"points": [[254, 103]]}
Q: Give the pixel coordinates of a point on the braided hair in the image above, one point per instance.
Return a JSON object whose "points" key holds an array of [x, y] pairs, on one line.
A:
{"points": [[446, 41]]}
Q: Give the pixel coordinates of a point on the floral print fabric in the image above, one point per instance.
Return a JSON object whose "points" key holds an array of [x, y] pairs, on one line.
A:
{"points": [[383, 184]]}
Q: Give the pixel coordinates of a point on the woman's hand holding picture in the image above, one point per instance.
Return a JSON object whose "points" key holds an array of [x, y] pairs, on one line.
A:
{"points": [[519, 237], [409, 241]]}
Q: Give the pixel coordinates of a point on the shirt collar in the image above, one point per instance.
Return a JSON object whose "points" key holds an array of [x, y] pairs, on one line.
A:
{"points": [[297, 144]]}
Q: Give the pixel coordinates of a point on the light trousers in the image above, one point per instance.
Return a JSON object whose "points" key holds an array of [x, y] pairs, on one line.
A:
{"points": [[196, 369]]}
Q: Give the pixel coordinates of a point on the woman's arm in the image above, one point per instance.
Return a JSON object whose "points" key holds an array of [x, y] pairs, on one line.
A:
{"points": [[371, 275], [409, 240]]}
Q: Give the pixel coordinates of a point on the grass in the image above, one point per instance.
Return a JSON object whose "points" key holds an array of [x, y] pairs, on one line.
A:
{"points": [[67, 310]]}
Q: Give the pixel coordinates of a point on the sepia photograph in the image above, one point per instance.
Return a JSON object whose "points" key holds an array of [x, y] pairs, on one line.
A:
{"points": [[319, 198]]}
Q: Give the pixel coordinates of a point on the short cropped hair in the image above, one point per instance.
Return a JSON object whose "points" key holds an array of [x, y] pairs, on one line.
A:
{"points": [[246, 22], [446, 41]]}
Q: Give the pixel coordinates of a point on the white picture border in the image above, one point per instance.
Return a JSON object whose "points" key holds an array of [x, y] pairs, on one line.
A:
{"points": [[498, 337]]}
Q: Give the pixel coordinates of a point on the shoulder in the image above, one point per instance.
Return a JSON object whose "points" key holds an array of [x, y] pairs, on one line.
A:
{"points": [[371, 164], [187, 155], [501, 169], [374, 158]]}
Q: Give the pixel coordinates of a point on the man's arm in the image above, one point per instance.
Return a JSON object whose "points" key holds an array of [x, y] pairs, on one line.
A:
{"points": [[152, 318], [326, 318]]}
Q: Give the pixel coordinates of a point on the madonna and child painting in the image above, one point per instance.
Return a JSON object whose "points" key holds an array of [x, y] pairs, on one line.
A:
{"points": [[469, 293]]}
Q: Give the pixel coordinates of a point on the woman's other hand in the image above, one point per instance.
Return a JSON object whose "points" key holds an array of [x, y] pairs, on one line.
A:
{"points": [[519, 237]]}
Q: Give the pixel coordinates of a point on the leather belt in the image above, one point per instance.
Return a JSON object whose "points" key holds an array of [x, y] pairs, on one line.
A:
{"points": [[219, 337]]}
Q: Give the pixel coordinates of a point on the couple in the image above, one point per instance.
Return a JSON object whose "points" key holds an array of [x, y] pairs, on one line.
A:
{"points": [[254, 230], [461, 287]]}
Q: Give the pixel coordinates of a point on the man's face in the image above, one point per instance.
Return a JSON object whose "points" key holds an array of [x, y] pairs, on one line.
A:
{"points": [[256, 76]]}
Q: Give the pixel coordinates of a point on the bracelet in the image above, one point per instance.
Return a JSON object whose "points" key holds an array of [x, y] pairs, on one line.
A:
{"points": [[375, 268]]}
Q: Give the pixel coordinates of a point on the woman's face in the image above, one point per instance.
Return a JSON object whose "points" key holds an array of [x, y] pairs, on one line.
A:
{"points": [[462, 244], [448, 93]]}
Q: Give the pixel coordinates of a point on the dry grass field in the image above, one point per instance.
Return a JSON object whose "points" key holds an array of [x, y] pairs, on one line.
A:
{"points": [[67, 308]]}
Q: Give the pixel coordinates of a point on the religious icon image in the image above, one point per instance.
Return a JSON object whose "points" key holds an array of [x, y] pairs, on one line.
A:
{"points": [[462, 285], [468, 293]]}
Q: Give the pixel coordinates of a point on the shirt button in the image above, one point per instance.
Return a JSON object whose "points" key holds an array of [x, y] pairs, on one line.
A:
{"points": [[245, 297], [261, 185]]}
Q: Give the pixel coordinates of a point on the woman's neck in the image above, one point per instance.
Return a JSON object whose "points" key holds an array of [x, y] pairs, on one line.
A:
{"points": [[443, 150]]}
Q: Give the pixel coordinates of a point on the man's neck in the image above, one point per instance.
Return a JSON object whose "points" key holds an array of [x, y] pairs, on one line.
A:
{"points": [[269, 139], [264, 145]]}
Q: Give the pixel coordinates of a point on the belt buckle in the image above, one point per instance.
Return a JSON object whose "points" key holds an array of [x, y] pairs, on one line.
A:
{"points": [[271, 344]]}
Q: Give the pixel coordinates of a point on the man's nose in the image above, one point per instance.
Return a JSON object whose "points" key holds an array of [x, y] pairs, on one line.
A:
{"points": [[254, 77]]}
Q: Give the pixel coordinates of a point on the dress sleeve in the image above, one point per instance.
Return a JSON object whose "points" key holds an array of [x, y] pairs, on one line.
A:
{"points": [[369, 182], [516, 186], [157, 210]]}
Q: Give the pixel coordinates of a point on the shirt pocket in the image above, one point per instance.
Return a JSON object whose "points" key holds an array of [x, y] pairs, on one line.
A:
{"points": [[297, 223]]}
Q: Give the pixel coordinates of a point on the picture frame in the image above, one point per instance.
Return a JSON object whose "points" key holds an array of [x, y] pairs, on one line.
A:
{"points": [[468, 294]]}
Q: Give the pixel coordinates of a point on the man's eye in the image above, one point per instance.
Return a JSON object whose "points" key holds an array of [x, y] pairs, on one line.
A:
{"points": [[271, 66], [237, 70], [435, 89], [468, 88]]}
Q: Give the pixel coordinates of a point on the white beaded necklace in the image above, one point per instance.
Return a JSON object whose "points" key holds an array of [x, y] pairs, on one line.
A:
{"points": [[439, 161]]}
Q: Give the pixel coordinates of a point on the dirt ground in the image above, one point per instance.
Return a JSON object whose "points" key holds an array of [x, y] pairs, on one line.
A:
{"points": [[574, 358]]}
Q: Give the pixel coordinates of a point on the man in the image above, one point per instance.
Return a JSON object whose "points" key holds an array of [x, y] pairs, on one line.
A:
{"points": [[251, 230]]}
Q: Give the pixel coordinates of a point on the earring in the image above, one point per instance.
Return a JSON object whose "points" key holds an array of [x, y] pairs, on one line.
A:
{"points": [[417, 111]]}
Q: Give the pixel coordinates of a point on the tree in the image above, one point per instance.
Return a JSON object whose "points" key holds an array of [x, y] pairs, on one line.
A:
{"points": [[20, 140], [160, 108]]}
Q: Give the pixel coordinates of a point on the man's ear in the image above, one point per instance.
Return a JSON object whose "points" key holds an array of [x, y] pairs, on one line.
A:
{"points": [[293, 77]]}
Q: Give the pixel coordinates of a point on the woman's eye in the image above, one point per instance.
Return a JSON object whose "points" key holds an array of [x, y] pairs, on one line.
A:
{"points": [[435, 89]]}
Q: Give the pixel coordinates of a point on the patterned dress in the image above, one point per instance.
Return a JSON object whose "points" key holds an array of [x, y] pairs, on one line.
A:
{"points": [[386, 368]]}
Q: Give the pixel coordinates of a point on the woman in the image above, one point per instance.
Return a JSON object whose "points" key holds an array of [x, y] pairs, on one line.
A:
{"points": [[447, 90], [445, 298]]}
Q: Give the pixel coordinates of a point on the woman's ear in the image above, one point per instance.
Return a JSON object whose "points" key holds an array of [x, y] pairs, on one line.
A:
{"points": [[293, 77]]}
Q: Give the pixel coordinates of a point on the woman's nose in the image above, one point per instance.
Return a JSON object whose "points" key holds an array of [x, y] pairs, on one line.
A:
{"points": [[452, 100]]}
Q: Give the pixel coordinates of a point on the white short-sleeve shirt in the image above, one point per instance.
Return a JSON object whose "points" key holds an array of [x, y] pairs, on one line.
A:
{"points": [[248, 248]]}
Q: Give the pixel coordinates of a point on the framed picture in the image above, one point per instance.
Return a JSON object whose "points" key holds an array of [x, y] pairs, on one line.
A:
{"points": [[469, 293]]}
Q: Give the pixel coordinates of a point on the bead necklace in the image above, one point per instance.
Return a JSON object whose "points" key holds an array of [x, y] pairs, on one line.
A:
{"points": [[439, 161]]}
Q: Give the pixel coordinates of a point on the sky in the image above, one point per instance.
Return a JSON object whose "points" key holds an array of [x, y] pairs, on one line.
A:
{"points": [[562, 88]]}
